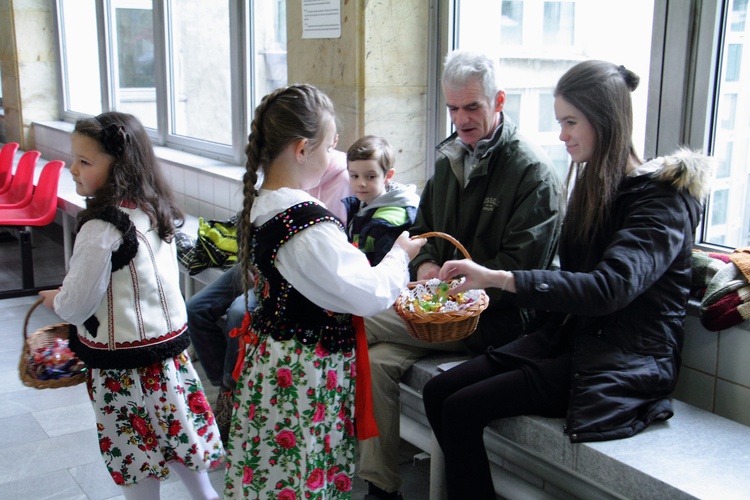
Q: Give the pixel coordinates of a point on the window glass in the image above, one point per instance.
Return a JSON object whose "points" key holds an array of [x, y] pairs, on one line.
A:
{"points": [[511, 22], [200, 70], [556, 35], [739, 15], [269, 39], [729, 220], [559, 23], [512, 107], [134, 80], [80, 57]]}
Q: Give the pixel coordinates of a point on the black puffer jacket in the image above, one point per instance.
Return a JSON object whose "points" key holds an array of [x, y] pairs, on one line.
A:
{"points": [[620, 302]]}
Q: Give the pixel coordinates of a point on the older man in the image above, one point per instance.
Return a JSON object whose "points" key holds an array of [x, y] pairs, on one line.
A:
{"points": [[496, 193]]}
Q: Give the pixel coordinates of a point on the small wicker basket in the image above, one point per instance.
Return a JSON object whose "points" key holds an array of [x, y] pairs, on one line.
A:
{"points": [[42, 338], [436, 327]]}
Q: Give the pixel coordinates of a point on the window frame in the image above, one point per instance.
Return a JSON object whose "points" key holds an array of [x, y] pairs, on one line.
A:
{"points": [[242, 60]]}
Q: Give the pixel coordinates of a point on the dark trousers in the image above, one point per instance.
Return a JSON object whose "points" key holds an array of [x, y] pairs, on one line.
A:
{"points": [[462, 401]]}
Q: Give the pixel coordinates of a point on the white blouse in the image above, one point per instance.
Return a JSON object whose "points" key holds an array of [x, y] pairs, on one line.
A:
{"points": [[86, 283], [324, 267]]}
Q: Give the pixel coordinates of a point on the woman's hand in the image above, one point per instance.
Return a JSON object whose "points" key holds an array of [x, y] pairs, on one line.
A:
{"points": [[411, 246], [477, 277], [49, 298]]}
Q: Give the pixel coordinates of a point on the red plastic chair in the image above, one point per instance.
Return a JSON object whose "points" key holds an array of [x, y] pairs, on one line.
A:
{"points": [[22, 185], [7, 153], [39, 212]]}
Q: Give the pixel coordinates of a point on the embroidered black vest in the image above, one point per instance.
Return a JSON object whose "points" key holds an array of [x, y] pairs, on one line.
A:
{"points": [[282, 311]]}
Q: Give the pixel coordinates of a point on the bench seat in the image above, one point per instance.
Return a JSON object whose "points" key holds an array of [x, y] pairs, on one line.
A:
{"points": [[695, 454]]}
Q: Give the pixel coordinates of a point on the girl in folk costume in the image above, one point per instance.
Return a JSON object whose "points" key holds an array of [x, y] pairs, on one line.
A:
{"points": [[122, 295], [292, 433]]}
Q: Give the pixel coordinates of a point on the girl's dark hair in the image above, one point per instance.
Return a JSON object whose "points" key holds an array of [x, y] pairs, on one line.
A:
{"points": [[135, 176], [286, 115], [601, 91], [372, 147]]}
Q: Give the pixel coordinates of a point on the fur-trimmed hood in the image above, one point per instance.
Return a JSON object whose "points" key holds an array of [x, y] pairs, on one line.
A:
{"points": [[688, 171]]}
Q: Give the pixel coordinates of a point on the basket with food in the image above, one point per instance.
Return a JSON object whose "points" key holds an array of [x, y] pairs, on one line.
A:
{"points": [[46, 360], [432, 313]]}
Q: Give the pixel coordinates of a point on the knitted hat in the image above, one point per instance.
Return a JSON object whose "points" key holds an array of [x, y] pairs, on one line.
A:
{"points": [[726, 302]]}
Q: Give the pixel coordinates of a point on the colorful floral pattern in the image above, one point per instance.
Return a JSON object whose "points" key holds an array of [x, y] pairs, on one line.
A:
{"points": [[149, 416], [292, 435]]}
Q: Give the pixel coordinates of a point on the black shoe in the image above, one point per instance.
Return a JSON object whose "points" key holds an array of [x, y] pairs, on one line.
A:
{"points": [[375, 493], [223, 414]]}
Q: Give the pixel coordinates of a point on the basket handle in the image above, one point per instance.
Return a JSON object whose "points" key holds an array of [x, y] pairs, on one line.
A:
{"points": [[28, 315], [445, 237]]}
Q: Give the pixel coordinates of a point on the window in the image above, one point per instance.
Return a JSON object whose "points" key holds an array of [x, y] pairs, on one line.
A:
{"points": [[723, 161], [730, 134], [511, 22], [547, 122], [698, 97], [559, 23], [200, 71], [189, 70], [734, 62], [553, 36], [719, 205], [739, 15], [512, 107], [728, 111], [80, 59], [133, 60]]}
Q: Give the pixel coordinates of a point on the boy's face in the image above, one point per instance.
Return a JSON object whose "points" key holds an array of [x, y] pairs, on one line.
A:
{"points": [[367, 179]]}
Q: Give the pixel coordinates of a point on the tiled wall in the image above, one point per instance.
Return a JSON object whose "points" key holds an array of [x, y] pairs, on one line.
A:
{"points": [[202, 187], [716, 365], [715, 372]]}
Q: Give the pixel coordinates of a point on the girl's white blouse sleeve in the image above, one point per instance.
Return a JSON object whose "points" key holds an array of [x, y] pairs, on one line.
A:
{"points": [[86, 283], [322, 265]]}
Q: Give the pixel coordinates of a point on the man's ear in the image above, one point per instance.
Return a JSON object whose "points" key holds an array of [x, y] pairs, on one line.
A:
{"points": [[499, 100]]}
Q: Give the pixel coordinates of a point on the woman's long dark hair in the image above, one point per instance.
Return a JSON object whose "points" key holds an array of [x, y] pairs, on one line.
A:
{"points": [[285, 115], [601, 91], [135, 176]]}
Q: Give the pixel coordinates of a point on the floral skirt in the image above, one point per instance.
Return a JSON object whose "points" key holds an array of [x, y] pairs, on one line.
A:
{"points": [[292, 435], [149, 416]]}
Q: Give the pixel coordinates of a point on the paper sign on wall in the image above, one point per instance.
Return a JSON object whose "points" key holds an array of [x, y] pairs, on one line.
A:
{"points": [[321, 18]]}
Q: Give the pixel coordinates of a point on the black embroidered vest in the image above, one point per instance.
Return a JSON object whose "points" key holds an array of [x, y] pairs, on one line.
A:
{"points": [[282, 311]]}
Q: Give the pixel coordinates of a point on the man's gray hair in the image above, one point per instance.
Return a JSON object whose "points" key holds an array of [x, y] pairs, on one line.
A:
{"points": [[462, 67]]}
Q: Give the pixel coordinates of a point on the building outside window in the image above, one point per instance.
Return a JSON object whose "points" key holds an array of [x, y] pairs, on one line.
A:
{"points": [[533, 42], [555, 36]]}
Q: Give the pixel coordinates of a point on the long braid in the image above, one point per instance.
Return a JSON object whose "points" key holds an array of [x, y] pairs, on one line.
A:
{"points": [[285, 115], [253, 152]]}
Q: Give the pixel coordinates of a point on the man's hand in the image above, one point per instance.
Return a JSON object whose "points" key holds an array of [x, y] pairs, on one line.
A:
{"points": [[427, 270]]}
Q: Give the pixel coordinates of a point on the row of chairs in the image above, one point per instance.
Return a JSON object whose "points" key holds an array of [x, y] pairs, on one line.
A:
{"points": [[24, 205]]}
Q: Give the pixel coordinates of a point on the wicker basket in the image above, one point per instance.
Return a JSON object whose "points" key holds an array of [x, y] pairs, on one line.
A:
{"points": [[441, 326], [41, 338]]}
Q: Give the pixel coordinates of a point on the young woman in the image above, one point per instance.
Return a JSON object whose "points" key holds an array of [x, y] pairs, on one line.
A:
{"points": [[608, 356], [293, 428], [122, 294]]}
